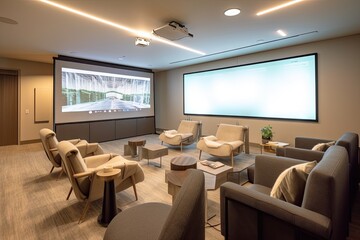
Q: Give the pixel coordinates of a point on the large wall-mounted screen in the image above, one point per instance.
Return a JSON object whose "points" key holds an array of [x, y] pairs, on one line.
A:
{"points": [[277, 89], [86, 92]]}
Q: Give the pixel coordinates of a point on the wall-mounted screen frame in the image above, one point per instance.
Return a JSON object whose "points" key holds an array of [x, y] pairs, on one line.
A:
{"points": [[285, 88], [86, 90]]}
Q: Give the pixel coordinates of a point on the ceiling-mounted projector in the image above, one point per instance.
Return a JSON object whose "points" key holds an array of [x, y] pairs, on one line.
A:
{"points": [[142, 42], [172, 31]]}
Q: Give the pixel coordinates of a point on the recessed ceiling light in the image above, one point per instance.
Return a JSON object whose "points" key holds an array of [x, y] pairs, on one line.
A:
{"points": [[281, 33], [278, 7], [122, 58], [232, 12], [133, 31], [8, 20]]}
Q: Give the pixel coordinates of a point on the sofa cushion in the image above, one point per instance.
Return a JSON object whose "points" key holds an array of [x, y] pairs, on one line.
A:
{"points": [[290, 184]]}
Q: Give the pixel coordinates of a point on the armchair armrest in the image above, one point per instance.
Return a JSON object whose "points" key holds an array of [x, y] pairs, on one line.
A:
{"points": [[302, 154], [268, 168], [308, 143], [244, 212], [84, 174], [94, 161]]}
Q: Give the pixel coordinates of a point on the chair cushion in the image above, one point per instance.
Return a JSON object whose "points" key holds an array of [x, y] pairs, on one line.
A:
{"points": [[290, 184]]}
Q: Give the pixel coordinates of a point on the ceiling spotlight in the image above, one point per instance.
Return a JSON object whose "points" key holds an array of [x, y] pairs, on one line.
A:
{"points": [[232, 12], [142, 42]]}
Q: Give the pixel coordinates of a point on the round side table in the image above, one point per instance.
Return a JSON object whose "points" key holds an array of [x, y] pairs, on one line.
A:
{"points": [[182, 163], [109, 209]]}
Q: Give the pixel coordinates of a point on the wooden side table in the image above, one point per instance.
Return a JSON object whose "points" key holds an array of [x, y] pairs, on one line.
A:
{"points": [[109, 209], [272, 146], [132, 146], [151, 151], [181, 163]]}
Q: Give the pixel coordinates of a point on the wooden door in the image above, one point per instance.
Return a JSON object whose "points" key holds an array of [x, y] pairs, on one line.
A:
{"points": [[8, 107]]}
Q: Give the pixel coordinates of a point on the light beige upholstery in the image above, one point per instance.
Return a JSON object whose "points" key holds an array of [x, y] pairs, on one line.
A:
{"points": [[50, 142], [187, 133], [86, 184], [228, 141]]}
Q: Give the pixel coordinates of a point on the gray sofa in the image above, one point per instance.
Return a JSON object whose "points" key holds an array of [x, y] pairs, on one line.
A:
{"points": [[349, 140], [250, 213], [302, 150]]}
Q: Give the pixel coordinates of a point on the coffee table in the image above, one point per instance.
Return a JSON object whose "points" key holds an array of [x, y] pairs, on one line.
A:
{"points": [[214, 177], [151, 151]]}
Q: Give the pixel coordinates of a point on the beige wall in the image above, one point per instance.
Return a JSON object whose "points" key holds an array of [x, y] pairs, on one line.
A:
{"points": [[32, 75], [338, 92]]}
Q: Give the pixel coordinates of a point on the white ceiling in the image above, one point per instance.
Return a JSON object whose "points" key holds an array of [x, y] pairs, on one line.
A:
{"points": [[43, 31]]}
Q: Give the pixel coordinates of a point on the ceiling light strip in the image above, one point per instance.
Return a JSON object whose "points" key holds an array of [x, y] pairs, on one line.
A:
{"points": [[133, 31], [278, 7]]}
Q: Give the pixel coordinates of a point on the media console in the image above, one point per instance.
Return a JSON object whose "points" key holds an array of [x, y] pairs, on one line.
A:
{"points": [[106, 130]]}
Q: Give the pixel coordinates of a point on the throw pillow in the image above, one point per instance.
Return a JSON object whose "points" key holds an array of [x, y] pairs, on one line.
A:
{"points": [[323, 146], [290, 184]]}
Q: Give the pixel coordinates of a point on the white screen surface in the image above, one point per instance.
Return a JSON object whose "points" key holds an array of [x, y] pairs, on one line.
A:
{"points": [[279, 89], [86, 92]]}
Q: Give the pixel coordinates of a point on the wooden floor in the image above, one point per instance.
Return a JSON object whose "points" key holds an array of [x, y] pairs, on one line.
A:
{"points": [[33, 204]]}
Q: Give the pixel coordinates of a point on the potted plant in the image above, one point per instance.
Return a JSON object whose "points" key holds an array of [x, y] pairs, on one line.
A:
{"points": [[266, 133]]}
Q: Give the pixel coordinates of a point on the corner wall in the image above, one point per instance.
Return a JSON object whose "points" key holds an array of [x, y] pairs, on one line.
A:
{"points": [[31, 75], [338, 92]]}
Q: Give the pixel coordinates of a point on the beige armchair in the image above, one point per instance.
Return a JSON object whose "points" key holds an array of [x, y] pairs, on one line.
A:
{"points": [[187, 133], [229, 141], [86, 184], [50, 142]]}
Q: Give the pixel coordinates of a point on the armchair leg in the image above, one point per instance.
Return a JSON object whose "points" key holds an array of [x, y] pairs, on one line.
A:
{"points": [[69, 193], [60, 174], [181, 146], [200, 155], [232, 159], [134, 186], [86, 208], [51, 169]]}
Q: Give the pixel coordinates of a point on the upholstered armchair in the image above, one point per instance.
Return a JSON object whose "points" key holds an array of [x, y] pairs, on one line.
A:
{"points": [[185, 219], [187, 133], [86, 185], [252, 212], [229, 141], [50, 142]]}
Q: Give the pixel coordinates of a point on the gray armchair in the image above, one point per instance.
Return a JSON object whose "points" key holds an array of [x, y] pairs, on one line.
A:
{"points": [[184, 220], [250, 213], [86, 185]]}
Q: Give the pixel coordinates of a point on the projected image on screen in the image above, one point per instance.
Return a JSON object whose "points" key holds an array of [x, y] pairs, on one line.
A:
{"points": [[94, 92], [278, 89]]}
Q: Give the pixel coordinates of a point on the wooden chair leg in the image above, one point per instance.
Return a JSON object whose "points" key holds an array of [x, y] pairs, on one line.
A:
{"points": [[86, 208], [51, 169], [134, 186], [200, 155], [69, 193], [232, 159], [60, 174]]}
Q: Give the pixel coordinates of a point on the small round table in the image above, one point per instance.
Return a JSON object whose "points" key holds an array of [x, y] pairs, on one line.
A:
{"points": [[109, 209], [181, 163]]}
